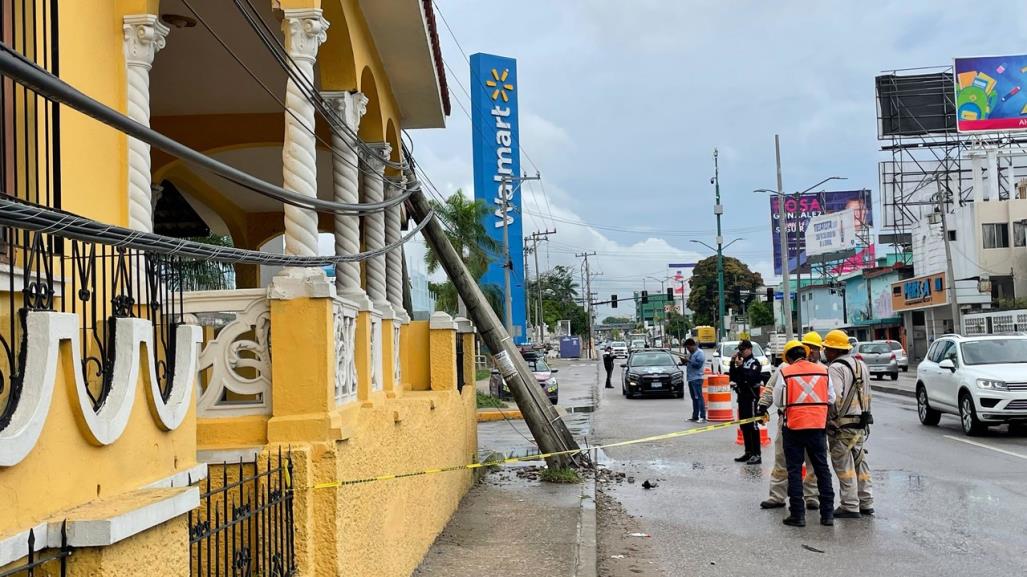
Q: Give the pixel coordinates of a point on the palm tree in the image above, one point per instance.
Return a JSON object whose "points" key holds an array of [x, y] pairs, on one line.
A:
{"points": [[462, 218]]}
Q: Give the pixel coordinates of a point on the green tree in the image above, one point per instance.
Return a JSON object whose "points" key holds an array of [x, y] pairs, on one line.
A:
{"points": [[760, 314], [740, 285], [678, 324], [559, 299], [617, 320], [462, 218]]}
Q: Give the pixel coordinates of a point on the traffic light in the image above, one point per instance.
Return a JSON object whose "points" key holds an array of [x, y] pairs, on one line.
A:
{"points": [[670, 294], [645, 297], [613, 301], [770, 295]]}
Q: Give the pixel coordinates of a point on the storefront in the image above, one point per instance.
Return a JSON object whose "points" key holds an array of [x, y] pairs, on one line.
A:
{"points": [[923, 302]]}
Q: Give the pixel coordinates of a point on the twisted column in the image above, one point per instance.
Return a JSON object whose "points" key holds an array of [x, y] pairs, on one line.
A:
{"points": [[144, 35], [374, 223], [394, 258], [346, 182], [304, 31]]}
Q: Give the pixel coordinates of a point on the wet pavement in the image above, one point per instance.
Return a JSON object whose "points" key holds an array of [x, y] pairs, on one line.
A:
{"points": [[576, 405], [945, 507]]}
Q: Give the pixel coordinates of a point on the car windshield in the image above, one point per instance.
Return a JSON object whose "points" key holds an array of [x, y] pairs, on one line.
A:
{"points": [[538, 366], [995, 352], [728, 349], [617, 344], [654, 359], [874, 348]]}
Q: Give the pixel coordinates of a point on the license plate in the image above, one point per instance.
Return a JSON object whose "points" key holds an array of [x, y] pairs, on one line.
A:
{"points": [[656, 385]]}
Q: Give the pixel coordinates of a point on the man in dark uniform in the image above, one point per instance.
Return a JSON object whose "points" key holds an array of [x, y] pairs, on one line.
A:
{"points": [[608, 357], [747, 378]]}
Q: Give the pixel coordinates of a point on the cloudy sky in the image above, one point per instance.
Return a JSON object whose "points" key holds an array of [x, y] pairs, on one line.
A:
{"points": [[622, 104]]}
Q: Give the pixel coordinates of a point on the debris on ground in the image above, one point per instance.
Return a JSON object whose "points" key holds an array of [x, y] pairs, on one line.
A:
{"points": [[647, 485], [639, 535], [814, 549]]}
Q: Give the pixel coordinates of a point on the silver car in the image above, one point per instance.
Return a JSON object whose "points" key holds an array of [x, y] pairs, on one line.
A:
{"points": [[900, 355], [880, 359]]}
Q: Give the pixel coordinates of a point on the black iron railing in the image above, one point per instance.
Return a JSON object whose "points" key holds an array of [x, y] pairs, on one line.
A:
{"points": [[50, 562], [99, 283], [244, 525]]}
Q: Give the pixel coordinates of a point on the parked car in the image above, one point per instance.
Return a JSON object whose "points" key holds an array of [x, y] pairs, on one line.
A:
{"points": [[653, 372], [879, 357], [983, 380], [620, 349], [721, 362], [544, 374], [900, 355], [637, 345]]}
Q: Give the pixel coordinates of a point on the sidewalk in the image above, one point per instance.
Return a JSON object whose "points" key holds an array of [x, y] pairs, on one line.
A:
{"points": [[513, 525], [905, 386]]}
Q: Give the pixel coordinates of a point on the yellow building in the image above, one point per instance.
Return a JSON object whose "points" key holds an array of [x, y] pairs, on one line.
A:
{"points": [[161, 413]]}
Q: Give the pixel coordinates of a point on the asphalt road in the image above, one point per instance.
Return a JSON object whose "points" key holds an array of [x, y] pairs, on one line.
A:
{"points": [[944, 506]]}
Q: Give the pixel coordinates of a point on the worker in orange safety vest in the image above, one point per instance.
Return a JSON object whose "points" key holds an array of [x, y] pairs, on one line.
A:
{"points": [[804, 393]]}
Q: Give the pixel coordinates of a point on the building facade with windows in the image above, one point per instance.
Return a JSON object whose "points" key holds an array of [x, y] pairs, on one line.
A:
{"points": [[176, 402]]}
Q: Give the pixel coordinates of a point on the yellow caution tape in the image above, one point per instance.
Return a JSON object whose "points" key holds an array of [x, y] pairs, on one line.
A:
{"points": [[540, 456]]}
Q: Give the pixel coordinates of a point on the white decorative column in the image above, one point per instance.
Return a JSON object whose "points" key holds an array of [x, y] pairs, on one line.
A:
{"points": [[144, 35], [304, 31], [394, 258], [351, 107], [374, 223]]}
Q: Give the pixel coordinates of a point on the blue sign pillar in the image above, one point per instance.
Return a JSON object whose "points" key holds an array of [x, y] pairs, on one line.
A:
{"points": [[497, 168]]}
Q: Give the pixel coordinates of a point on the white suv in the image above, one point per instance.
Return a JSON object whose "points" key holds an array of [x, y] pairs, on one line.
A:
{"points": [[983, 380]]}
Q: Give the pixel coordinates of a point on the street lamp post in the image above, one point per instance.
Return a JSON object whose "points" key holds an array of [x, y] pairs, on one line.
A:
{"points": [[718, 210], [720, 248], [663, 291]]}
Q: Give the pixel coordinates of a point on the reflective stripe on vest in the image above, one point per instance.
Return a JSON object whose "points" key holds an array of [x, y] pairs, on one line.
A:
{"points": [[806, 393]]}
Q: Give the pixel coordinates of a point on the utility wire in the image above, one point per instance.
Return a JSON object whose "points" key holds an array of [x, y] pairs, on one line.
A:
{"points": [[19, 214], [52, 88]]}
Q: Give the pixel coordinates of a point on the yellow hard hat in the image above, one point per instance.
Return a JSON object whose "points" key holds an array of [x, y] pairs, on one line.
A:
{"points": [[837, 339], [792, 344], [812, 339]]}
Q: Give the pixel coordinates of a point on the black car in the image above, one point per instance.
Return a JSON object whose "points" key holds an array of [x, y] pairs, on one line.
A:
{"points": [[653, 372]]}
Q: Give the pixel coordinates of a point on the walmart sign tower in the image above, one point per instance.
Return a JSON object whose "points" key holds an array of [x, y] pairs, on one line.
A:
{"points": [[497, 166]]}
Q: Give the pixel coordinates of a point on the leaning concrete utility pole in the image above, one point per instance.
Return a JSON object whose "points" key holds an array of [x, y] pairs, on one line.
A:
{"points": [[543, 421], [782, 223]]}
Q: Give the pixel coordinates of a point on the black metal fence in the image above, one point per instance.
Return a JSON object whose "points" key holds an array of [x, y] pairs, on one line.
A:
{"points": [[100, 284], [50, 562], [244, 525]]}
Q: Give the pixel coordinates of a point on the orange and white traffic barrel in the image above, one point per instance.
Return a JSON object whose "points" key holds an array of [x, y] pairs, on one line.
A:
{"points": [[717, 391]]}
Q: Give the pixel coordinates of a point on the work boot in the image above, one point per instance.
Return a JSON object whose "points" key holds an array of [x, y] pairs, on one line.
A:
{"points": [[812, 506], [827, 521], [840, 513], [743, 458], [754, 460], [768, 504], [869, 511], [793, 521]]}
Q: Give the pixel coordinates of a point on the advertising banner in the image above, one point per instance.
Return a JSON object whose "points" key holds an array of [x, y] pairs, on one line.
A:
{"points": [[990, 93], [799, 209], [497, 166], [832, 232]]}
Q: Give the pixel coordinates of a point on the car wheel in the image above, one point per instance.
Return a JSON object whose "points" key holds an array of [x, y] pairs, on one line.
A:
{"points": [[968, 416], [894, 376], [928, 416], [905, 369]]}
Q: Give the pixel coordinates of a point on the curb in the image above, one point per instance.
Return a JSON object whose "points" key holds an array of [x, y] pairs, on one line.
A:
{"points": [[892, 390], [497, 415], [586, 555]]}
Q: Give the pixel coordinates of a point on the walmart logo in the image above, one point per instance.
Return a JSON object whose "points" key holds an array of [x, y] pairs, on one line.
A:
{"points": [[499, 85]]}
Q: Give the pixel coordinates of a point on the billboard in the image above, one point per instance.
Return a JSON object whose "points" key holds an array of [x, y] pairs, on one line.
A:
{"points": [[497, 164], [831, 232], [990, 93], [799, 209], [915, 104]]}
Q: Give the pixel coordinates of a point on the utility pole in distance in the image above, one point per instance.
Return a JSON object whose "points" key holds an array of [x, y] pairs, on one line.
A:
{"points": [[588, 296], [535, 236], [718, 210], [507, 262], [782, 222]]}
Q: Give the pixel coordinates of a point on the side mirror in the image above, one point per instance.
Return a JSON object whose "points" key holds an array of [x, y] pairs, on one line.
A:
{"points": [[947, 364]]}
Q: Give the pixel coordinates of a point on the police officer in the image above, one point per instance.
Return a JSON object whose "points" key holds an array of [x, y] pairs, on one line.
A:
{"points": [[804, 393], [779, 474], [746, 374], [850, 423], [608, 365]]}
